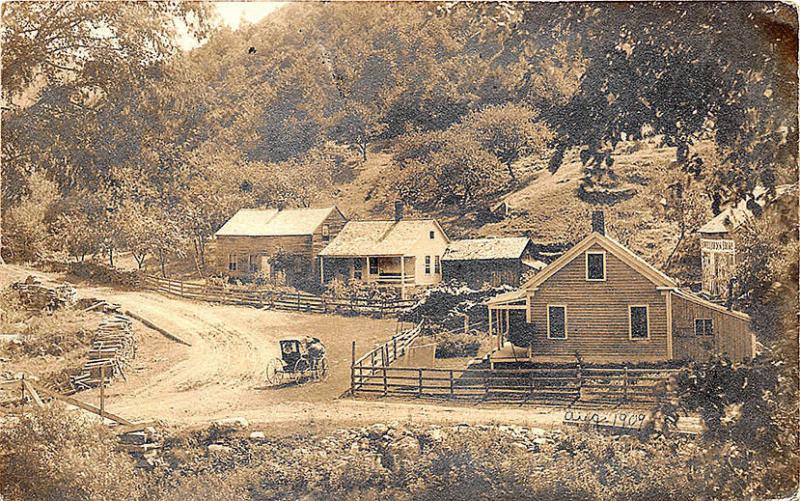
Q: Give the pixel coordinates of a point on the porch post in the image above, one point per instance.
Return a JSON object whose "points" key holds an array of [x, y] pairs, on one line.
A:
{"points": [[490, 323], [402, 277], [321, 270]]}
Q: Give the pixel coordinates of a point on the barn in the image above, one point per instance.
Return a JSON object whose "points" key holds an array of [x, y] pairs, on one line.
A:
{"points": [[488, 261], [273, 242], [601, 302]]}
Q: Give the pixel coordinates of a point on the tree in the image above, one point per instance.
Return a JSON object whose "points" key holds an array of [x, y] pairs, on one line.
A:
{"points": [[686, 83], [510, 132], [62, 62], [680, 200], [28, 221]]}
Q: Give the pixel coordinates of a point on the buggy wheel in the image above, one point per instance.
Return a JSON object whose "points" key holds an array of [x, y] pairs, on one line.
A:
{"points": [[322, 369], [274, 371], [301, 368]]}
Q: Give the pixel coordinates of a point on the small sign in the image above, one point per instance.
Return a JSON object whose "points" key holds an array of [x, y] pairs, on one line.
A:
{"points": [[621, 420], [717, 245]]}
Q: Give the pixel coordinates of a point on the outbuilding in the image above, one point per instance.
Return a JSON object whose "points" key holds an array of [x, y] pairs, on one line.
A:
{"points": [[488, 261]]}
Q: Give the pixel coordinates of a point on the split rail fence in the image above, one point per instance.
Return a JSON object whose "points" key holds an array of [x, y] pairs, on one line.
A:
{"points": [[291, 301], [373, 374]]}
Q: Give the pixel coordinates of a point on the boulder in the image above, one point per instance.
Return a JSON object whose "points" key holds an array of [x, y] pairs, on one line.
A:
{"points": [[377, 430], [257, 435], [232, 423]]}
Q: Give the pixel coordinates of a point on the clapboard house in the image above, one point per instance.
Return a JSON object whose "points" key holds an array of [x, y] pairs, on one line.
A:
{"points": [[399, 253], [274, 242], [488, 261], [603, 303], [720, 235]]}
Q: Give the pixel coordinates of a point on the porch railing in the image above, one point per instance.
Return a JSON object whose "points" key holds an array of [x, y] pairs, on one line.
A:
{"points": [[394, 279]]}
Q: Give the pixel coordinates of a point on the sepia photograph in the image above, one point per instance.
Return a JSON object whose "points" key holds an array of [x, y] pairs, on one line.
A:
{"points": [[401, 250]]}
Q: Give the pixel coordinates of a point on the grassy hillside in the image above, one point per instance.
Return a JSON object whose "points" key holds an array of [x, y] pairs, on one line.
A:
{"points": [[549, 208]]}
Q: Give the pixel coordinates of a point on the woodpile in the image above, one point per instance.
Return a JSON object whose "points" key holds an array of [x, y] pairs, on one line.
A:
{"points": [[34, 295], [113, 347]]}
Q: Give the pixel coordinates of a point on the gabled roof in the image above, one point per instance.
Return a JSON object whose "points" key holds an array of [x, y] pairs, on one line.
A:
{"points": [[380, 238], [617, 249], [486, 248], [735, 216], [275, 223], [659, 279]]}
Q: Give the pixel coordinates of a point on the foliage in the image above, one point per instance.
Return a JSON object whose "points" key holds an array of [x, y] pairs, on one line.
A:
{"points": [[679, 199], [28, 222], [53, 453], [509, 132], [753, 413], [449, 345]]}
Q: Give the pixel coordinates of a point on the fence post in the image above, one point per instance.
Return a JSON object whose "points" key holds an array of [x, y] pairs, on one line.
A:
{"points": [[394, 341], [353, 369], [580, 380], [324, 305], [102, 390], [298, 301], [384, 353], [419, 383], [451, 383], [625, 384]]}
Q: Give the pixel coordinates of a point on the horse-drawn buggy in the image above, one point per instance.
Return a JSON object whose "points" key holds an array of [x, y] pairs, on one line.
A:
{"points": [[302, 359]]}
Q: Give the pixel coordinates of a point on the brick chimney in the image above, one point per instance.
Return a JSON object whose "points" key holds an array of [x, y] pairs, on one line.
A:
{"points": [[599, 222], [399, 207]]}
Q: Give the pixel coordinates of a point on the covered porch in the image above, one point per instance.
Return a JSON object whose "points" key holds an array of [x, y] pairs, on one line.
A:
{"points": [[384, 271], [505, 311]]}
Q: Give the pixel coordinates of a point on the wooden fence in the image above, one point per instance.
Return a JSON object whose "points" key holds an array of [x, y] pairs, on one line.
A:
{"points": [[373, 374], [294, 301]]}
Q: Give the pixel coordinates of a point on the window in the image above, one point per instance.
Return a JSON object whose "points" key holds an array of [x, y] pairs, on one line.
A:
{"points": [[427, 265], [703, 327], [639, 323], [231, 262], [326, 233], [596, 266], [373, 265], [556, 322], [437, 266], [431, 235], [254, 263]]}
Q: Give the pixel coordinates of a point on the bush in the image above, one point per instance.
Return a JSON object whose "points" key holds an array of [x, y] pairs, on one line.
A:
{"points": [[456, 345], [53, 453]]}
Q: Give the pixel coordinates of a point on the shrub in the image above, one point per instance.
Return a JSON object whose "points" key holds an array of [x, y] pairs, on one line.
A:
{"points": [[456, 345], [53, 453]]}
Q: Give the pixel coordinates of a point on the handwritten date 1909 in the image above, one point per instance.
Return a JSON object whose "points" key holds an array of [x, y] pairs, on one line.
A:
{"points": [[632, 421]]}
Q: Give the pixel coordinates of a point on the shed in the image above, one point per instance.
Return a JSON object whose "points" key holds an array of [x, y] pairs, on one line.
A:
{"points": [[493, 261]]}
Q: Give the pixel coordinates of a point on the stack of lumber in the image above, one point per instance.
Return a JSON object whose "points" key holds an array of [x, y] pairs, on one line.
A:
{"points": [[113, 346], [37, 296]]}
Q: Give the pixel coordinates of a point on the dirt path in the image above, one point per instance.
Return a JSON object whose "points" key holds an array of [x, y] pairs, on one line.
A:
{"points": [[221, 374]]}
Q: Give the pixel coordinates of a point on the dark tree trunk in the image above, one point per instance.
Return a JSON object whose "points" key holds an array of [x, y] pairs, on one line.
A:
{"points": [[511, 173], [111, 257]]}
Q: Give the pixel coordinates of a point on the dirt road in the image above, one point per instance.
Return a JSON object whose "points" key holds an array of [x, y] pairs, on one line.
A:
{"points": [[222, 373]]}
